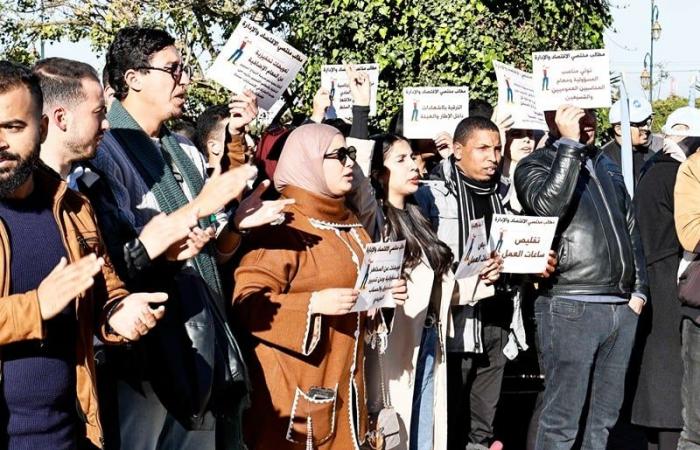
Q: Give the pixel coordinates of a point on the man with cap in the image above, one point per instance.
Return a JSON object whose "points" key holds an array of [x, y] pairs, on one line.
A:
{"points": [[657, 397], [644, 145]]}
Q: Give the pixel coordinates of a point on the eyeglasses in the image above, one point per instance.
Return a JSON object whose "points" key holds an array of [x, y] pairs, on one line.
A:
{"points": [[642, 124], [342, 154], [175, 71]]}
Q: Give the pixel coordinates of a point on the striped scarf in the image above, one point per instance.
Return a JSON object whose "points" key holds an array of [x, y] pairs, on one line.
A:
{"points": [[466, 190]]}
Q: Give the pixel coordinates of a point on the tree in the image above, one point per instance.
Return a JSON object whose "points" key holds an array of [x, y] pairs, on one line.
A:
{"points": [[415, 42], [198, 26], [434, 42]]}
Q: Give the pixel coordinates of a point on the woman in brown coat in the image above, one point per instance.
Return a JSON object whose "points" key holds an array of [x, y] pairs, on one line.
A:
{"points": [[294, 291]]}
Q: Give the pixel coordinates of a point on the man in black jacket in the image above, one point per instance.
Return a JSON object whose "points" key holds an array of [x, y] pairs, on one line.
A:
{"points": [[587, 311], [644, 143]]}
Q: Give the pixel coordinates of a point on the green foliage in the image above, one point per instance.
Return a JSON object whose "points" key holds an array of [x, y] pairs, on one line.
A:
{"points": [[415, 42], [435, 42]]}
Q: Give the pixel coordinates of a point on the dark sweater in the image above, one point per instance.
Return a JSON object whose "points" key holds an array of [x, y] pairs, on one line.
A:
{"points": [[38, 387]]}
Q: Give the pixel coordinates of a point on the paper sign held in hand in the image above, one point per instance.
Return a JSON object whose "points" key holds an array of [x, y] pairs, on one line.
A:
{"points": [[429, 111], [255, 59], [580, 78], [335, 80], [523, 241], [382, 265], [516, 96], [476, 251]]}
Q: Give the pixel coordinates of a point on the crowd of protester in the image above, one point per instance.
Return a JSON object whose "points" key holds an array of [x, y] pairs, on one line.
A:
{"points": [[189, 286]]}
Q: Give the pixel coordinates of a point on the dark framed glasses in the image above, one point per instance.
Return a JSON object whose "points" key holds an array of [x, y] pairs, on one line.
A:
{"points": [[342, 154], [175, 71], [645, 123]]}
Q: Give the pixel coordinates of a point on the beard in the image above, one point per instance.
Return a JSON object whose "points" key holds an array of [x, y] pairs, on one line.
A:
{"points": [[11, 179]]}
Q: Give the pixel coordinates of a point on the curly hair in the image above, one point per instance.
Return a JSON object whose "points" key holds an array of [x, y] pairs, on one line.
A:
{"points": [[133, 48]]}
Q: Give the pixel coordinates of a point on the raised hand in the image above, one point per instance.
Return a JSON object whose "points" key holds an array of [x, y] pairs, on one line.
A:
{"points": [[243, 109], [191, 245], [163, 231], [322, 100], [360, 86], [221, 189], [568, 120], [333, 302], [65, 282], [133, 317], [254, 212], [443, 142]]}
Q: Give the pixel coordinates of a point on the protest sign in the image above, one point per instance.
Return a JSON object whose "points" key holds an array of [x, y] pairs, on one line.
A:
{"points": [[382, 265], [429, 111], [255, 59], [335, 80], [516, 96], [476, 251], [522, 241], [580, 78]]}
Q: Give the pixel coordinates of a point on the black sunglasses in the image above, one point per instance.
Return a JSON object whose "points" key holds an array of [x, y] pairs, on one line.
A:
{"points": [[175, 71], [342, 154], [644, 123]]}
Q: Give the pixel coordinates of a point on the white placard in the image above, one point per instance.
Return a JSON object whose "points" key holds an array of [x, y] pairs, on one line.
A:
{"points": [[381, 265], [580, 78], [522, 241], [516, 96], [429, 111], [476, 251], [335, 80], [255, 59]]}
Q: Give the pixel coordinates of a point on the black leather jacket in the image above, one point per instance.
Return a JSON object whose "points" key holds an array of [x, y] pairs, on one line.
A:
{"points": [[597, 242]]}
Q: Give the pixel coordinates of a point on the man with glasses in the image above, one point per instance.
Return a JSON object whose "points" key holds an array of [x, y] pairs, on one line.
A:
{"points": [[644, 145], [185, 387]]}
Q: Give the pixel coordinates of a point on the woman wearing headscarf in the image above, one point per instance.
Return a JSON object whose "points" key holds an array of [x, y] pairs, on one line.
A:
{"points": [[410, 374], [294, 292]]}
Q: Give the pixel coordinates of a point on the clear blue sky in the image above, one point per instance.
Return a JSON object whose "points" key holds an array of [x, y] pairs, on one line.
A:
{"points": [[628, 39], [627, 42]]}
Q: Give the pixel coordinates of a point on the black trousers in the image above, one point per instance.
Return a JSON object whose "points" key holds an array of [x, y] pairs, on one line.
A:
{"points": [[474, 388]]}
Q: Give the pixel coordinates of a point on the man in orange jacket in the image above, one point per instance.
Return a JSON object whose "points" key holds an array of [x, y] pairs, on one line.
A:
{"points": [[58, 288]]}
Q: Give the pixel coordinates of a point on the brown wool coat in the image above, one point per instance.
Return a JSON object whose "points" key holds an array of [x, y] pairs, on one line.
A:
{"points": [[319, 247]]}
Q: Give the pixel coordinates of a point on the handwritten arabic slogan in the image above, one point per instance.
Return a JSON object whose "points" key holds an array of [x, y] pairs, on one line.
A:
{"points": [[516, 96], [428, 111], [476, 251], [523, 241], [335, 80], [382, 265], [580, 78], [255, 59]]}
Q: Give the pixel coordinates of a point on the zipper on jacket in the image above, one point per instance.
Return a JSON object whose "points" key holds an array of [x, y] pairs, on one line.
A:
{"points": [[594, 177]]}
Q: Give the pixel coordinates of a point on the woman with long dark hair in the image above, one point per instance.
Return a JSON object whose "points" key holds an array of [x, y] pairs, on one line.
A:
{"points": [[410, 371]]}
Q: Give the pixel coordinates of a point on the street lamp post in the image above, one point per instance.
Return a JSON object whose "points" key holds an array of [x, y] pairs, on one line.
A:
{"points": [[655, 35], [645, 77]]}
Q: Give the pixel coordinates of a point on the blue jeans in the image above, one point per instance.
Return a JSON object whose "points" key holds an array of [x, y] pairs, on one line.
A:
{"points": [[690, 394], [422, 415], [586, 349]]}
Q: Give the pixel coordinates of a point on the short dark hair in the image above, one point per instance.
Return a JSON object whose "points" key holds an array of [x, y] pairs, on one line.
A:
{"points": [[207, 122], [105, 76], [13, 75], [184, 126], [469, 125], [61, 80], [480, 108], [132, 48]]}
